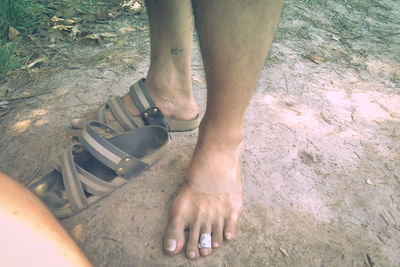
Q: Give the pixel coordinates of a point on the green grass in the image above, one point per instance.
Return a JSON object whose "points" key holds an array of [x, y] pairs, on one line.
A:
{"points": [[24, 15], [27, 16], [85, 6], [8, 60]]}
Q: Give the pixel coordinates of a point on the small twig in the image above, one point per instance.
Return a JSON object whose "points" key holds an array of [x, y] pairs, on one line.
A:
{"points": [[283, 251], [301, 8], [369, 261], [287, 87], [112, 239], [379, 36], [381, 239], [292, 109], [384, 219], [23, 97], [391, 215]]}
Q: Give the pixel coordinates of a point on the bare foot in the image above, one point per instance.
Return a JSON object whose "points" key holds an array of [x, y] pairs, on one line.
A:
{"points": [[171, 102], [210, 200]]}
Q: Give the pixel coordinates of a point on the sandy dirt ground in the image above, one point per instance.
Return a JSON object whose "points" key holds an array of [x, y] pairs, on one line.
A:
{"points": [[321, 166]]}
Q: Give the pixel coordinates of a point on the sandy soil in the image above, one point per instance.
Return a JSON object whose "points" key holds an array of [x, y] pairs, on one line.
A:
{"points": [[321, 167]]}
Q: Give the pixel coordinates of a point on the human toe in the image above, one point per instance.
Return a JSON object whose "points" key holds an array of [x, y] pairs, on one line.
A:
{"points": [[204, 242], [174, 239], [217, 236], [192, 250], [230, 226], [78, 123]]}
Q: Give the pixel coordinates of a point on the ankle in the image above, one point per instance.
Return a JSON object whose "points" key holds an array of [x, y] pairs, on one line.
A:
{"points": [[172, 93], [169, 84], [225, 134]]}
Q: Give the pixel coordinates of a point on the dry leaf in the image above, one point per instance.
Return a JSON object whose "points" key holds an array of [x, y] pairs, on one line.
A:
{"points": [[75, 31], [12, 33], [120, 44], [91, 38], [126, 29], [73, 65], [144, 28], [77, 19], [36, 62], [108, 35], [56, 19], [315, 58], [113, 14], [68, 21], [63, 27], [77, 233]]}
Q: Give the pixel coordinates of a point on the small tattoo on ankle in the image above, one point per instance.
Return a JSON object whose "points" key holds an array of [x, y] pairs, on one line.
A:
{"points": [[176, 50]]}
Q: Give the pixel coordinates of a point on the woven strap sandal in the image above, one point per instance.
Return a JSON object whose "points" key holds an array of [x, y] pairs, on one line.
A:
{"points": [[102, 162], [150, 114]]}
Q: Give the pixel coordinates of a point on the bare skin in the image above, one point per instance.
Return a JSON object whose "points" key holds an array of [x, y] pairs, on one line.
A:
{"points": [[234, 46], [234, 38], [30, 234], [169, 77]]}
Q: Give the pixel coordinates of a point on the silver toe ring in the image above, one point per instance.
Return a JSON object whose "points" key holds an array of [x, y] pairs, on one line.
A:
{"points": [[205, 240]]}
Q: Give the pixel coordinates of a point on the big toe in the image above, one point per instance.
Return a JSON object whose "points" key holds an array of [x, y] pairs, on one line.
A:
{"points": [[174, 238], [79, 123]]}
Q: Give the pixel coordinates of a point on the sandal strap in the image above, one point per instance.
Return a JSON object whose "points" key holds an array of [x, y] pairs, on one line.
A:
{"points": [[101, 114], [77, 180], [107, 153], [72, 184], [121, 113], [91, 183], [149, 112]]}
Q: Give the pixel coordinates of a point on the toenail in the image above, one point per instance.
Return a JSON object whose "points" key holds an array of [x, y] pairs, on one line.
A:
{"points": [[192, 254], [171, 245], [228, 235], [205, 252], [216, 244]]}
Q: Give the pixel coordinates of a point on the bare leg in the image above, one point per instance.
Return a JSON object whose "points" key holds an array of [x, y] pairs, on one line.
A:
{"points": [[234, 38], [30, 235], [169, 76]]}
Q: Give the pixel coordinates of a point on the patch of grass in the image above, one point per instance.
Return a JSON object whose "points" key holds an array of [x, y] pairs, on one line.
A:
{"points": [[27, 16], [316, 3], [24, 15], [8, 60], [84, 6]]}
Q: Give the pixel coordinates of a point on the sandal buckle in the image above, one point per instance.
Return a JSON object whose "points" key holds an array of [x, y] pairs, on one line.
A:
{"points": [[153, 116]]}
